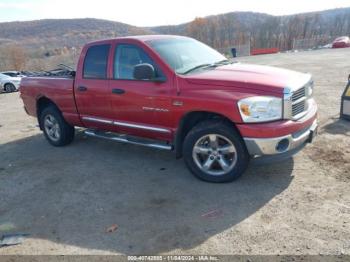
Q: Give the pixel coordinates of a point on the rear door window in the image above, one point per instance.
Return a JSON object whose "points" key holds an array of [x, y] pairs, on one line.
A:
{"points": [[95, 63]]}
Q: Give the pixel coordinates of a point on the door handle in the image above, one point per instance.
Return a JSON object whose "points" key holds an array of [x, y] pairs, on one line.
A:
{"points": [[118, 91], [82, 88]]}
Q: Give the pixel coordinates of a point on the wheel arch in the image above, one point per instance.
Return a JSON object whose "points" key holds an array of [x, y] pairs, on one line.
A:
{"points": [[42, 103], [7, 83], [189, 120]]}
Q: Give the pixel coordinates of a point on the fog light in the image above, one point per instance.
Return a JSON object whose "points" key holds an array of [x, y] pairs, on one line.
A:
{"points": [[282, 145]]}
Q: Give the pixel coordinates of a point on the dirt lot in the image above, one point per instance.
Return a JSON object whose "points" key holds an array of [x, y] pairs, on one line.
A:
{"points": [[65, 198]]}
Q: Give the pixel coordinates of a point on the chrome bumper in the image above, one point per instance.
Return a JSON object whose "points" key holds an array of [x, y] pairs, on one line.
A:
{"points": [[283, 144]]}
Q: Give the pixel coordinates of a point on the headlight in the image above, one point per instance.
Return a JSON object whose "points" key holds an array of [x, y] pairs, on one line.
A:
{"points": [[309, 88], [260, 109]]}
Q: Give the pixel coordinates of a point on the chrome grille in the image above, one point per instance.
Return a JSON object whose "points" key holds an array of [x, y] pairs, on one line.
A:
{"points": [[299, 94], [296, 102], [298, 108]]}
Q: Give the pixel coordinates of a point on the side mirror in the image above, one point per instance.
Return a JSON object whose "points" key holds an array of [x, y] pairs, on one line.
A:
{"points": [[144, 72]]}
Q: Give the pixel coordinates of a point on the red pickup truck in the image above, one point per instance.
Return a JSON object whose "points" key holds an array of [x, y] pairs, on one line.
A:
{"points": [[175, 93]]}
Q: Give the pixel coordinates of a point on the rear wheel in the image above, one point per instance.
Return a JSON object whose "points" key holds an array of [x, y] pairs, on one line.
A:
{"points": [[56, 130], [8, 88], [215, 152]]}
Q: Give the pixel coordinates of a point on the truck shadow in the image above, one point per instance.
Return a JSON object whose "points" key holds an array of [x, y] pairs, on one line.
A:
{"points": [[71, 195], [338, 127]]}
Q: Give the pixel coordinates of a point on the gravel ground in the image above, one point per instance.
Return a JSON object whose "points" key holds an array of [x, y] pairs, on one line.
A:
{"points": [[66, 198]]}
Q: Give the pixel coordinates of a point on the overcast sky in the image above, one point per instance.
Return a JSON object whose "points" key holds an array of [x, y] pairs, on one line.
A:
{"points": [[153, 12]]}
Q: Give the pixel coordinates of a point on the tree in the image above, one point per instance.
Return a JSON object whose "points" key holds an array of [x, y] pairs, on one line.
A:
{"points": [[16, 57], [197, 29]]}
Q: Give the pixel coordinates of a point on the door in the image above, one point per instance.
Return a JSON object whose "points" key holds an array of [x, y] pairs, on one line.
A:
{"points": [[91, 88], [140, 107]]}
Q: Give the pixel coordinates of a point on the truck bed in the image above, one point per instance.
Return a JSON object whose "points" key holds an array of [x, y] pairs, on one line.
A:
{"points": [[58, 88]]}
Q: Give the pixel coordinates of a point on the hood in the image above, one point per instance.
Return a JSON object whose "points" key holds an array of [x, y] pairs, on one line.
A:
{"points": [[263, 78]]}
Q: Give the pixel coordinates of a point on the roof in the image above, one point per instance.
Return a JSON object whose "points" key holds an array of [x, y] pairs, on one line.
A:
{"points": [[342, 38], [153, 37], [142, 38]]}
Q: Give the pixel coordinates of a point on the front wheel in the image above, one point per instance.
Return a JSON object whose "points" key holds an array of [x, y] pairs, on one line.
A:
{"points": [[56, 130], [9, 88], [215, 152]]}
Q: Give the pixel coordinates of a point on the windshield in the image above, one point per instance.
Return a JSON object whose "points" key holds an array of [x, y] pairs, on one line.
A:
{"points": [[185, 54], [3, 76]]}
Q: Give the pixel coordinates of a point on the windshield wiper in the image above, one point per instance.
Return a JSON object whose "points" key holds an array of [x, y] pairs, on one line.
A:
{"points": [[224, 62], [216, 64], [197, 67]]}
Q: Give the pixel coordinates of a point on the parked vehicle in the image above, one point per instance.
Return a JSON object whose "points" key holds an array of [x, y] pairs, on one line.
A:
{"points": [[341, 42], [9, 84], [175, 93], [13, 73]]}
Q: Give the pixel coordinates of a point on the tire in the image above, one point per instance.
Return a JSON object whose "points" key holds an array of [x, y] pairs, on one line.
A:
{"points": [[56, 130], [9, 88], [215, 152]]}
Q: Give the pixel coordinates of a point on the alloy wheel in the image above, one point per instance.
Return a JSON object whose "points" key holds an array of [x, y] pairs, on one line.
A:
{"points": [[214, 154]]}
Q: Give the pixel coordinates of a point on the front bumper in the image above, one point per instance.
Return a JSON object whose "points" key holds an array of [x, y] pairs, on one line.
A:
{"points": [[282, 144]]}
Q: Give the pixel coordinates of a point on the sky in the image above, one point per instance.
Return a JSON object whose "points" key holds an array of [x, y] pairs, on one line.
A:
{"points": [[153, 12]]}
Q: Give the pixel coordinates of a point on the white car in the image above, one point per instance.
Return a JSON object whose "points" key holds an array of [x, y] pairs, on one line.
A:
{"points": [[9, 84]]}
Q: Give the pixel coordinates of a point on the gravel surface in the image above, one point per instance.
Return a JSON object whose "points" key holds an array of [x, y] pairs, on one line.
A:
{"points": [[66, 198]]}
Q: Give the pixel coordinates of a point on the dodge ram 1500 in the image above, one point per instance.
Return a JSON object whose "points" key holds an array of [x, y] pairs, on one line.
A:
{"points": [[175, 93]]}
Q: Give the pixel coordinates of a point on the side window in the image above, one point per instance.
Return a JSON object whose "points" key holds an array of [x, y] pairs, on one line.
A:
{"points": [[127, 57], [95, 63]]}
